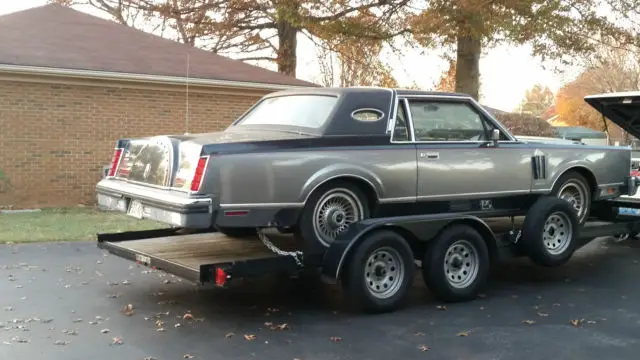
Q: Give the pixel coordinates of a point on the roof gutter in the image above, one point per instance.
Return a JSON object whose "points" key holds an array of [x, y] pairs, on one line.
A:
{"points": [[140, 78]]}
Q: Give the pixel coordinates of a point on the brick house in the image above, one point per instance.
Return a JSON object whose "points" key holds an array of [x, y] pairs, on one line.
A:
{"points": [[71, 84]]}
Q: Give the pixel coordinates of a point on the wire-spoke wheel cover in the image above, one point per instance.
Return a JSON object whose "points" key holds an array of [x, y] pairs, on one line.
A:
{"points": [[335, 211]]}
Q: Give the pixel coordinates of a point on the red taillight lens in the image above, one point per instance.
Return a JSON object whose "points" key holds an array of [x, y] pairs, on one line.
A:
{"points": [[117, 154], [221, 277], [199, 174]]}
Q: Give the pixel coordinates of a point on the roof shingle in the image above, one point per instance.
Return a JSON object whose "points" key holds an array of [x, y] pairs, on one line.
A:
{"points": [[53, 36]]}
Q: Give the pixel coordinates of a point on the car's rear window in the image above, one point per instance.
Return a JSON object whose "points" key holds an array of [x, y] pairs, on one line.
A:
{"points": [[309, 111]]}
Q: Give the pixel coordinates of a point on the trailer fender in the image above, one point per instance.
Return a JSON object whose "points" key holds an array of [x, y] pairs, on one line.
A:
{"points": [[417, 229]]}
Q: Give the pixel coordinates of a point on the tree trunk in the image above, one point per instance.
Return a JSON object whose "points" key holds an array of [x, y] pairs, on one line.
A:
{"points": [[287, 44], [468, 66]]}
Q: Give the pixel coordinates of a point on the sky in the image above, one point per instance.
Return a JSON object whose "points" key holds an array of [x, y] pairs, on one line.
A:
{"points": [[506, 71]]}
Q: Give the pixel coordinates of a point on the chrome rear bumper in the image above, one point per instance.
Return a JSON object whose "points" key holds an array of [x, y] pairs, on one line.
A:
{"points": [[163, 205]]}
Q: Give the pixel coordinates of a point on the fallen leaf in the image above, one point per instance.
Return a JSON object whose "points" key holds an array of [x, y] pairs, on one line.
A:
{"points": [[128, 310], [576, 322], [229, 335], [249, 337], [419, 334], [177, 325], [441, 307], [188, 356], [16, 339], [463, 333], [160, 330], [335, 339], [424, 348], [159, 323], [117, 341], [70, 332], [77, 320], [61, 342], [528, 322], [591, 321], [8, 308], [105, 331], [542, 314], [126, 282], [150, 358], [187, 316]]}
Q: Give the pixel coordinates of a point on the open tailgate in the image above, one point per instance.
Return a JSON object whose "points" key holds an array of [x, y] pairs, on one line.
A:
{"points": [[622, 108]]}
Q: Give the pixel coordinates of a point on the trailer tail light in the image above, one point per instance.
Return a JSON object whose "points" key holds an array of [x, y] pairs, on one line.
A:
{"points": [[221, 277], [198, 176], [117, 155]]}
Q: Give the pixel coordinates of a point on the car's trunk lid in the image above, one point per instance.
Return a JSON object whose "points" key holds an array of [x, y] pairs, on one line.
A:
{"points": [[171, 161], [622, 108]]}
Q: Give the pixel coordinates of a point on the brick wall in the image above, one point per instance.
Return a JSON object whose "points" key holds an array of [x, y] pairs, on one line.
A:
{"points": [[55, 138]]}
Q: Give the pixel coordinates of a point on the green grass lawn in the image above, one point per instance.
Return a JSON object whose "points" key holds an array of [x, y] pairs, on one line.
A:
{"points": [[67, 224]]}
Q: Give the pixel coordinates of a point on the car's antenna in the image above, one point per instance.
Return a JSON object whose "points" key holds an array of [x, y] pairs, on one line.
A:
{"points": [[186, 113]]}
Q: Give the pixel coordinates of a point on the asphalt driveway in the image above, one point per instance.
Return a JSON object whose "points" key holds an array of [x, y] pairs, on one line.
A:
{"points": [[70, 301]]}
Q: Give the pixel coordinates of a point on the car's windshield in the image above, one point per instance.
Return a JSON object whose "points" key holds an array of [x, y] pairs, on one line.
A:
{"points": [[310, 111]]}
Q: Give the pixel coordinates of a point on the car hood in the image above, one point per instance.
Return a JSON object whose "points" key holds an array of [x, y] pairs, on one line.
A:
{"points": [[622, 108], [236, 135]]}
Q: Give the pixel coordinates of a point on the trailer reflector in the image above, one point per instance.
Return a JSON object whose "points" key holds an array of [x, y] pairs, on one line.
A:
{"points": [[221, 277]]}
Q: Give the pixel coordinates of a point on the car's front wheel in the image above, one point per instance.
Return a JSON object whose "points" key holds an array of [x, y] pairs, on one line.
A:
{"points": [[330, 210], [574, 188]]}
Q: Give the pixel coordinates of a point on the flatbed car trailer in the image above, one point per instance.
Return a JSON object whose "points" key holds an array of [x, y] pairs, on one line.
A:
{"points": [[374, 260]]}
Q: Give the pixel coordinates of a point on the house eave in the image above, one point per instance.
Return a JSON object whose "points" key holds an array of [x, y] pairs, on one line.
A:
{"points": [[139, 78]]}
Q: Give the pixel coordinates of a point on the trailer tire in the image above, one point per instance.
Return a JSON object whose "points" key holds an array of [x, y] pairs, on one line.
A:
{"points": [[550, 232], [456, 264], [379, 273]]}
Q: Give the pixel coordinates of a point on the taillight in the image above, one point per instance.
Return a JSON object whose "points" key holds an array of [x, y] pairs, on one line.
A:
{"points": [[199, 173], [117, 154]]}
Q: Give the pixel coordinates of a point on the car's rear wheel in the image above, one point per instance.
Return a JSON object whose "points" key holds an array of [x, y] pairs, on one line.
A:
{"points": [[330, 210], [574, 188]]}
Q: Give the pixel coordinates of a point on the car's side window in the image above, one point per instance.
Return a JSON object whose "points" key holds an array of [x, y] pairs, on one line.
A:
{"points": [[401, 130], [447, 121]]}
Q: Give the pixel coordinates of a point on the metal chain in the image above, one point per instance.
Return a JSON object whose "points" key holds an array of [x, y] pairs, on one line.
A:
{"points": [[297, 255]]}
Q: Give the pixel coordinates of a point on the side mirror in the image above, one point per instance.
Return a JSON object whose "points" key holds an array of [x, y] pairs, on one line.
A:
{"points": [[495, 135]]}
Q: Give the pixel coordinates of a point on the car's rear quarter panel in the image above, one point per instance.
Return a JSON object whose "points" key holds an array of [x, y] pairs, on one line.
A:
{"points": [[288, 177]]}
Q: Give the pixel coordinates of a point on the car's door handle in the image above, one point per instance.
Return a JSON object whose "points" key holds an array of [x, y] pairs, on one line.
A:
{"points": [[430, 155]]}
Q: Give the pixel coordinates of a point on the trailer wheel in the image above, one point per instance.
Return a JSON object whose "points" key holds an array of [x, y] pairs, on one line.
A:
{"points": [[380, 272], [456, 264], [550, 232]]}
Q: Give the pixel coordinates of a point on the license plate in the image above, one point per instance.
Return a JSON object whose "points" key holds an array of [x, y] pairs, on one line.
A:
{"points": [[629, 211], [135, 209], [143, 259]]}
